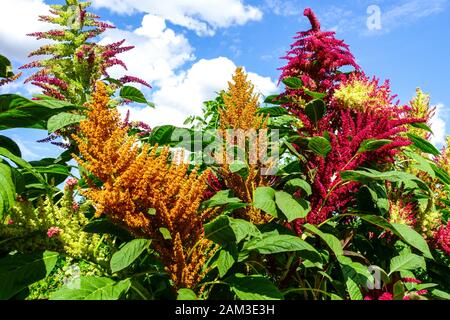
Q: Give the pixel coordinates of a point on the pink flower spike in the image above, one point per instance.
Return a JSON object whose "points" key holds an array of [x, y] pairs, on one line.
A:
{"points": [[53, 231], [10, 222]]}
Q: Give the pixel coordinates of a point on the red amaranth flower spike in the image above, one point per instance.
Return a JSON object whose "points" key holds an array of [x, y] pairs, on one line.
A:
{"points": [[315, 57], [127, 79], [442, 238]]}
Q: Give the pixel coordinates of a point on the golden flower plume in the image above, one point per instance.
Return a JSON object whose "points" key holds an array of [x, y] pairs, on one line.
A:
{"points": [[144, 191], [241, 126]]}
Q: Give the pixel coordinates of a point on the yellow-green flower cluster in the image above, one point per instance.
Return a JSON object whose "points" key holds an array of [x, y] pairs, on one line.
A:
{"points": [[52, 226], [354, 95]]}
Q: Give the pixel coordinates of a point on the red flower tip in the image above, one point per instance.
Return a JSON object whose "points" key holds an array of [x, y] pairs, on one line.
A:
{"points": [[53, 231], [312, 19]]}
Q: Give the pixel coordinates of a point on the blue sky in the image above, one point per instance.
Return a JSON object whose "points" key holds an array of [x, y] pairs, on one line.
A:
{"points": [[187, 50]]}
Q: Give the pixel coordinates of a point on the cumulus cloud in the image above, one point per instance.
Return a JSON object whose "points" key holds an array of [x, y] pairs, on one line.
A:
{"points": [[158, 50], [201, 16], [438, 126], [19, 18], [184, 94]]}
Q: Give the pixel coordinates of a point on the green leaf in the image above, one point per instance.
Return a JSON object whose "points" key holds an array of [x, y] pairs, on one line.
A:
{"points": [[186, 294], [5, 67], [21, 270], [292, 208], [63, 120], [423, 145], [7, 189], [293, 83], [320, 146], [104, 226], [276, 243], [128, 254], [225, 260], [332, 242], [263, 199], [273, 111], [413, 238], [10, 145], [408, 261], [300, 183], [421, 125], [237, 166], [398, 290], [133, 94], [165, 233], [314, 95], [373, 144], [421, 163], [221, 198], [254, 287], [92, 288], [225, 230], [19, 112], [276, 99], [315, 110], [440, 294]]}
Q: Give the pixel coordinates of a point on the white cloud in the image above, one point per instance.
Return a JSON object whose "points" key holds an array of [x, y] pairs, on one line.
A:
{"points": [[283, 7], [202, 16], [158, 50], [406, 13], [438, 126], [184, 94], [20, 17]]}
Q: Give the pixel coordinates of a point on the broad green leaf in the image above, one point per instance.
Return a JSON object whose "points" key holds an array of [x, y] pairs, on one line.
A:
{"points": [[408, 261], [398, 290], [63, 120], [225, 230], [165, 233], [128, 254], [293, 83], [104, 226], [237, 166], [332, 242], [421, 163], [21, 270], [314, 95], [276, 99], [422, 126], [315, 110], [277, 243], [92, 288], [440, 294], [423, 145], [133, 94], [413, 238], [10, 145], [320, 146], [273, 111], [264, 199], [373, 144], [186, 294], [254, 287], [19, 112], [291, 207], [225, 260], [221, 198], [7, 189], [300, 183], [5, 67]]}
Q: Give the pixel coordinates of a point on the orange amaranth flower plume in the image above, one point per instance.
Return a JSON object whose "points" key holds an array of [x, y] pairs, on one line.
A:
{"points": [[144, 191], [241, 126]]}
